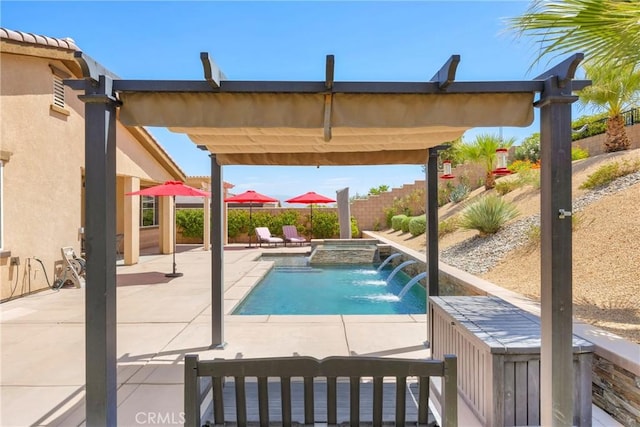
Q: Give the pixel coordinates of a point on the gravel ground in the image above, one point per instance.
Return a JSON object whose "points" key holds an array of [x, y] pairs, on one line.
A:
{"points": [[606, 252]]}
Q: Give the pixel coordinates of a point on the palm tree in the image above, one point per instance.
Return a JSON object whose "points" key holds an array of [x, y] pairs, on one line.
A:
{"points": [[604, 30], [483, 150], [615, 88]]}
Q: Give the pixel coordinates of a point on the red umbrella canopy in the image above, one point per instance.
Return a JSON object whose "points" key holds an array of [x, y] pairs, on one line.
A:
{"points": [[309, 198], [171, 188], [250, 196]]}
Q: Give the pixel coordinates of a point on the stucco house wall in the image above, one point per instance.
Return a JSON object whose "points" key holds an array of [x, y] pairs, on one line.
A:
{"points": [[42, 155]]}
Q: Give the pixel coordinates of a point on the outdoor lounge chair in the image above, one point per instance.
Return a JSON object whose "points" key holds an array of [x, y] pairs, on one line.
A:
{"points": [[264, 236], [291, 235]]}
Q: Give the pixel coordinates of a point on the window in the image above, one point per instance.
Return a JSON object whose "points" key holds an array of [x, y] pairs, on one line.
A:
{"points": [[148, 211]]}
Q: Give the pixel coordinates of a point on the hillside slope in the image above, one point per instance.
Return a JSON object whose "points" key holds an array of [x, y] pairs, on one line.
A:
{"points": [[606, 248]]}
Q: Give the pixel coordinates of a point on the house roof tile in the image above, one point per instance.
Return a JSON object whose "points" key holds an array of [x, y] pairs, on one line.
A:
{"points": [[23, 37]]}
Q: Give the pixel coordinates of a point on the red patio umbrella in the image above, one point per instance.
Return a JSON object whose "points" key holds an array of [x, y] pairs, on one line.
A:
{"points": [[310, 198], [173, 189], [250, 197]]}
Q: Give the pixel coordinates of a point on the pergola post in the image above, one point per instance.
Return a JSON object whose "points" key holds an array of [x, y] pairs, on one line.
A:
{"points": [[217, 255], [100, 304], [432, 222], [556, 365]]}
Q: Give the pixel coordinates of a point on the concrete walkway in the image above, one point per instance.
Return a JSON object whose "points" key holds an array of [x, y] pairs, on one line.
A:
{"points": [[159, 321]]}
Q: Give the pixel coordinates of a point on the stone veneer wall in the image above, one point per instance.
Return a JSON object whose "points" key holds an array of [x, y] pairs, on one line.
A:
{"points": [[344, 251], [617, 391]]}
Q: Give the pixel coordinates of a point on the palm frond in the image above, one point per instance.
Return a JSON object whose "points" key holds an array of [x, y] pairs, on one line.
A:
{"points": [[605, 30]]}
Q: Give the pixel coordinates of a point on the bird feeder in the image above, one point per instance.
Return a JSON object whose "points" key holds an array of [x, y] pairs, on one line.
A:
{"points": [[446, 167], [501, 169]]}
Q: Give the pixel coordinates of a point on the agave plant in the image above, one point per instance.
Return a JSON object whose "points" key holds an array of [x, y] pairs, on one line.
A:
{"points": [[459, 193], [487, 215]]}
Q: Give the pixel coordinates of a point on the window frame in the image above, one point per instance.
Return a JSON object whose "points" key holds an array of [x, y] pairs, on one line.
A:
{"points": [[152, 205]]}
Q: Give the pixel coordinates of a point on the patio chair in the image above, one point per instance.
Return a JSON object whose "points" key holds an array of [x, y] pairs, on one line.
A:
{"points": [[290, 233], [264, 236]]}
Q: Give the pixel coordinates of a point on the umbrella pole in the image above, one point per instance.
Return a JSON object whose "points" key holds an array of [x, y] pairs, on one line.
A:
{"points": [[311, 221], [175, 234], [250, 224]]}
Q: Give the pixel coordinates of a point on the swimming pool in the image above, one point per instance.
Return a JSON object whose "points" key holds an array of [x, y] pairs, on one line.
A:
{"points": [[333, 289]]}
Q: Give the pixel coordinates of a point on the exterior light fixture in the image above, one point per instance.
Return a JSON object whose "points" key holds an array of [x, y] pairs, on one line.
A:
{"points": [[501, 169], [446, 166]]}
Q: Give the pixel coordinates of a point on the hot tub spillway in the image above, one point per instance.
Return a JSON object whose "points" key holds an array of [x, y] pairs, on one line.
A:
{"points": [[358, 251]]}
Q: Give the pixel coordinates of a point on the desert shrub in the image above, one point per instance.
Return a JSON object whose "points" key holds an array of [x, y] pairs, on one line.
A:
{"points": [[405, 224], [396, 222], [237, 222], [447, 226], [529, 149], [504, 186], [533, 234], [191, 222], [325, 224], [596, 124], [264, 219], [418, 225], [355, 232], [411, 204], [459, 193], [288, 217], [443, 193], [610, 171], [578, 153], [389, 213], [487, 215], [529, 177], [518, 166]]}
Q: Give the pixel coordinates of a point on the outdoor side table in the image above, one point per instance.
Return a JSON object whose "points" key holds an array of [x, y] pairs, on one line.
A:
{"points": [[498, 349]]}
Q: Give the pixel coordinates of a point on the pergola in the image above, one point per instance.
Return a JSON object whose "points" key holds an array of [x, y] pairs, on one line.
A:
{"points": [[326, 123]]}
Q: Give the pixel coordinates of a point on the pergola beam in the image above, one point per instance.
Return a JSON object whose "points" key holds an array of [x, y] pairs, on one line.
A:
{"points": [[447, 74], [91, 69], [212, 73], [564, 71], [319, 87], [328, 97]]}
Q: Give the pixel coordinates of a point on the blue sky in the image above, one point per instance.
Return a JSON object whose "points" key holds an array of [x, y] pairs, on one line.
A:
{"points": [[371, 41]]}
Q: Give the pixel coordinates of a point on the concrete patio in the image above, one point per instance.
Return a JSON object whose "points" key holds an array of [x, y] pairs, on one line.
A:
{"points": [[159, 321]]}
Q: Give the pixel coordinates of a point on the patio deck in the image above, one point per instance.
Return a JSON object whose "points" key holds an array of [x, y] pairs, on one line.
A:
{"points": [[159, 321]]}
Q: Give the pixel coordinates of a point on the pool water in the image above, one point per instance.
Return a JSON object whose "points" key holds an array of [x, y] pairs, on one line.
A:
{"points": [[332, 290]]}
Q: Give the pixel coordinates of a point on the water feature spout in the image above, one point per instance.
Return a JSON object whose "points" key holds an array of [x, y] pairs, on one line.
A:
{"points": [[410, 284], [389, 258], [398, 268]]}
